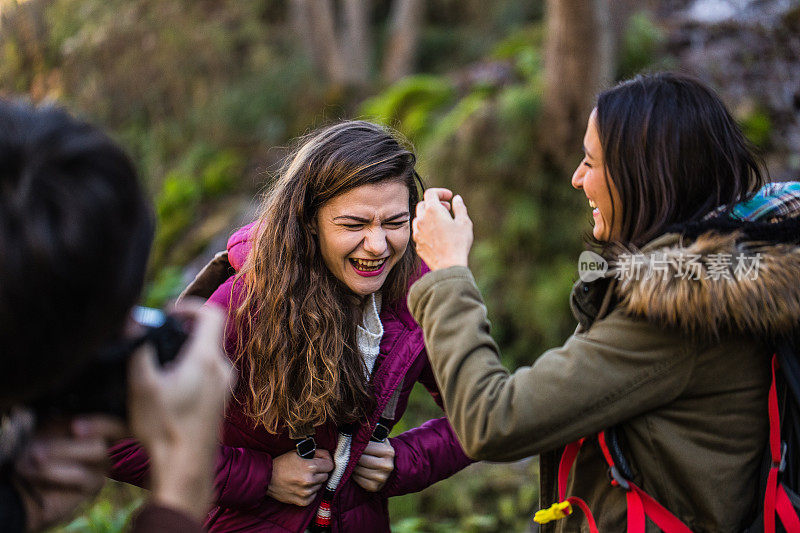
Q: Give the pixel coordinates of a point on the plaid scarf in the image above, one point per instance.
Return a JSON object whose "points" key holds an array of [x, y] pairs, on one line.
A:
{"points": [[773, 202]]}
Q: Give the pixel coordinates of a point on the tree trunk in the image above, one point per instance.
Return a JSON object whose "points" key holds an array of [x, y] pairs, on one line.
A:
{"points": [[315, 21], [405, 20], [356, 41], [579, 61]]}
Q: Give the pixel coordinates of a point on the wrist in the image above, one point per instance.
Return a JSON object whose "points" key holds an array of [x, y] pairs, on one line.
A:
{"points": [[181, 479], [449, 262], [185, 491]]}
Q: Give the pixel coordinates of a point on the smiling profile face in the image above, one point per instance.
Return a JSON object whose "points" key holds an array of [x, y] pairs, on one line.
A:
{"points": [[363, 233], [590, 177]]}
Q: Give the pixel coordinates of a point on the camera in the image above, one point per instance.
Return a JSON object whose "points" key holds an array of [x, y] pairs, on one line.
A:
{"points": [[101, 388]]}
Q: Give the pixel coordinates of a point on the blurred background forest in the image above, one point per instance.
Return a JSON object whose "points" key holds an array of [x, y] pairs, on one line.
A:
{"points": [[207, 94]]}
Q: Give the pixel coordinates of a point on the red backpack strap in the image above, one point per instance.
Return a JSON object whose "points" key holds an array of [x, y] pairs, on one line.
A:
{"points": [[640, 504], [563, 507], [775, 498], [567, 460]]}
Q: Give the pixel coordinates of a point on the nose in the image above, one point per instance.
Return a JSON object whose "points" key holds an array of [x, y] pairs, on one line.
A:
{"points": [[578, 175], [375, 242]]}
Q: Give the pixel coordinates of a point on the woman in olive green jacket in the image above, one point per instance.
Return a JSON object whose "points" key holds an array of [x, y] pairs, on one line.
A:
{"points": [[671, 346]]}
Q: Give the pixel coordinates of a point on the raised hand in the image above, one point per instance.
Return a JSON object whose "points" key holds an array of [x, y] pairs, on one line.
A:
{"points": [[175, 411], [443, 240]]}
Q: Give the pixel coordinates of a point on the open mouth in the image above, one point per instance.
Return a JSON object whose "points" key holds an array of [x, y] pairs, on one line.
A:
{"points": [[595, 210], [364, 265]]}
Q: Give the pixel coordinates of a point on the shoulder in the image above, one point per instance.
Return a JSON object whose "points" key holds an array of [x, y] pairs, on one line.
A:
{"points": [[226, 295], [240, 243]]}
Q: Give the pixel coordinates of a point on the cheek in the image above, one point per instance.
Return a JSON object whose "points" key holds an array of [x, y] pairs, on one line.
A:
{"points": [[399, 240], [335, 247]]}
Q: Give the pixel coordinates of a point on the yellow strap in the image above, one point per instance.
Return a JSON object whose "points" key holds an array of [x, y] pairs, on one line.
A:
{"points": [[556, 511]]}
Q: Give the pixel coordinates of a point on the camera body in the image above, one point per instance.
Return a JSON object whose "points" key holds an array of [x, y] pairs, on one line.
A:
{"points": [[101, 388]]}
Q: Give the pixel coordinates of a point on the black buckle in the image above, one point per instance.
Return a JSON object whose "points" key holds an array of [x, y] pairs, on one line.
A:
{"points": [[782, 464], [306, 448], [381, 432]]}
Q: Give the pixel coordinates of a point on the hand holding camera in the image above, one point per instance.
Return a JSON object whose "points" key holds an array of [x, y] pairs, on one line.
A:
{"points": [[174, 411], [175, 398]]}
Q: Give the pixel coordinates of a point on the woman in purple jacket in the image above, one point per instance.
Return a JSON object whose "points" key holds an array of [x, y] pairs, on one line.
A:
{"points": [[326, 349]]}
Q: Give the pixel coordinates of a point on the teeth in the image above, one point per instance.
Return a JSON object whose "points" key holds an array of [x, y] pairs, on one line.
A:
{"points": [[368, 264], [592, 204]]}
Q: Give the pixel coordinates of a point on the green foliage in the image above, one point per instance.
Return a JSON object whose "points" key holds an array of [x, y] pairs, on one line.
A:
{"points": [[167, 285], [203, 176], [757, 127], [523, 47], [221, 173], [110, 513], [410, 103], [641, 46]]}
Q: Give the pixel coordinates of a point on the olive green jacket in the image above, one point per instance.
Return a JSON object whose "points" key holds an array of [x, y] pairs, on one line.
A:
{"points": [[675, 363]]}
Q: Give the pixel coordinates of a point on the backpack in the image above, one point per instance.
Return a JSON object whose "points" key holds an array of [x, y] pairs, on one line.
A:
{"points": [[779, 507], [780, 471], [770, 216]]}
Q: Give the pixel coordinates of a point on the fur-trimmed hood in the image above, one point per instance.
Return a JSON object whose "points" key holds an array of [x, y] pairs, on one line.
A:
{"points": [[716, 283]]}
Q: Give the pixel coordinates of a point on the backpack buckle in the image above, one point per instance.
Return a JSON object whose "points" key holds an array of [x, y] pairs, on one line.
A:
{"points": [[619, 479], [381, 432], [306, 448]]}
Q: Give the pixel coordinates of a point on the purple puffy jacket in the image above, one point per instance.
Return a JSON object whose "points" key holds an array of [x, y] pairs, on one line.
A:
{"points": [[423, 455]]}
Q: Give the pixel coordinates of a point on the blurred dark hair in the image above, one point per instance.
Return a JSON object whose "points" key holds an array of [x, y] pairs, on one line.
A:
{"points": [[674, 153], [75, 233]]}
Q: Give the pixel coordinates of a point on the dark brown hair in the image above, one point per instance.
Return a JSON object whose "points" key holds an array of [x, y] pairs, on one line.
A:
{"points": [[673, 152], [297, 322], [75, 230]]}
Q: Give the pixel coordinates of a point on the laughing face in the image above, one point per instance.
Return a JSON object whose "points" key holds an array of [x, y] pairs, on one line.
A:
{"points": [[363, 233], [590, 177]]}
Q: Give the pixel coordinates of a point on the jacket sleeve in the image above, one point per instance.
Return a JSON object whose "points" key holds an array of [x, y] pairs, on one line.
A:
{"points": [[241, 479], [426, 454], [157, 519], [619, 368]]}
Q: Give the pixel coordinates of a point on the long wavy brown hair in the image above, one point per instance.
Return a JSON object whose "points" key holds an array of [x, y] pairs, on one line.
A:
{"points": [[297, 322]]}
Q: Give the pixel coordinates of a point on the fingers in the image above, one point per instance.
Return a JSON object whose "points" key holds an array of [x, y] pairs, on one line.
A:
{"points": [[100, 427], [378, 476], [322, 461], [420, 212], [367, 484], [186, 308], [74, 464], [207, 331], [67, 476], [318, 478], [435, 195], [375, 463], [143, 368], [379, 449], [87, 451], [460, 209]]}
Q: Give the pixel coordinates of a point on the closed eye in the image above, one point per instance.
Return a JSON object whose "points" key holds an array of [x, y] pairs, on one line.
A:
{"points": [[396, 224]]}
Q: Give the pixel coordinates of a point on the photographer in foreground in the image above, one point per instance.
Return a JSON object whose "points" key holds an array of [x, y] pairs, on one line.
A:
{"points": [[75, 232]]}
